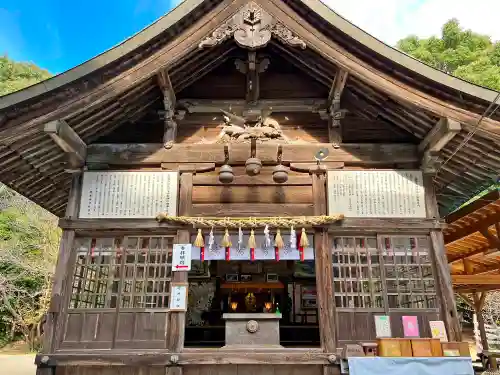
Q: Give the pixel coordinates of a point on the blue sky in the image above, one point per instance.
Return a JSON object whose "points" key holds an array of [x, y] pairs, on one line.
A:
{"points": [[58, 35]]}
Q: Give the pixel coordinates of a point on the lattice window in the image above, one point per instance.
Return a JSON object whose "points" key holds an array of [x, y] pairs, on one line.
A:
{"points": [[357, 272], [408, 269], [132, 272]]}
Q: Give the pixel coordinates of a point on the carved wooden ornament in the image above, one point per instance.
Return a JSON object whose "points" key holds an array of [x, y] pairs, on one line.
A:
{"points": [[252, 28]]}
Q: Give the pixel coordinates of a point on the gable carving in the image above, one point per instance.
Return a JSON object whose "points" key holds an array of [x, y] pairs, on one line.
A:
{"points": [[252, 28]]}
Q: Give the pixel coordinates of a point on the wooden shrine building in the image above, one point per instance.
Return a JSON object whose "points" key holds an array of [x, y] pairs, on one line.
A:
{"points": [[246, 186]]}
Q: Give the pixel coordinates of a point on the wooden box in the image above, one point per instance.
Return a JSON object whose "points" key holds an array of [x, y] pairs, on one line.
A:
{"points": [[394, 348], [450, 349], [426, 348]]}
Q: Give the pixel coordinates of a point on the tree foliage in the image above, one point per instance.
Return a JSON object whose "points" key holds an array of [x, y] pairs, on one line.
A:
{"points": [[15, 76], [29, 240], [462, 53]]}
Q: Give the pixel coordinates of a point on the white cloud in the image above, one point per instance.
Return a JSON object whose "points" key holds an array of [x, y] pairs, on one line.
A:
{"points": [[391, 20]]}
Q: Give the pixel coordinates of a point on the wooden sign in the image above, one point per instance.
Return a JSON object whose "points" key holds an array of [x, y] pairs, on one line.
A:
{"points": [[383, 326], [382, 194], [181, 257], [438, 330], [120, 194], [410, 326], [178, 297]]}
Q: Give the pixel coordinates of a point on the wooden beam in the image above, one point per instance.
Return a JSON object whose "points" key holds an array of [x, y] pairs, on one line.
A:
{"points": [[68, 140], [421, 226], [189, 357], [476, 279], [440, 135], [492, 239], [471, 228], [169, 102], [150, 154], [334, 112], [240, 106]]}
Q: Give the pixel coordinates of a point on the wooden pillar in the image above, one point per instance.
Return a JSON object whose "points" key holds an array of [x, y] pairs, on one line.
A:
{"points": [[176, 330], [478, 308], [448, 305], [324, 269], [54, 323]]}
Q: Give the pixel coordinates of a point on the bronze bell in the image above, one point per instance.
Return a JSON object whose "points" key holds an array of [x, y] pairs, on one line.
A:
{"points": [[253, 166], [226, 174], [280, 174]]}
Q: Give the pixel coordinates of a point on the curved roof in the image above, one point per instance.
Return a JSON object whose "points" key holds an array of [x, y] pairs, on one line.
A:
{"points": [[187, 6], [119, 86]]}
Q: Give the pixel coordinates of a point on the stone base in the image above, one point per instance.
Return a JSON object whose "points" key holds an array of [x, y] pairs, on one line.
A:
{"points": [[252, 330]]}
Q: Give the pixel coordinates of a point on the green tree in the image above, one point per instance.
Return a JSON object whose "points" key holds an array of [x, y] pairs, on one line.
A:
{"points": [[29, 239], [15, 76], [459, 52]]}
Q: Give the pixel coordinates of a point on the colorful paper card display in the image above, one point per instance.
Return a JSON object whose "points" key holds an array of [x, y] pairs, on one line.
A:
{"points": [[410, 326], [383, 326], [438, 330]]}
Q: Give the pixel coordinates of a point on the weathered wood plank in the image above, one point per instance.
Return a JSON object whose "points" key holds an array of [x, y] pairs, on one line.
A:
{"points": [[150, 154], [187, 358], [254, 209], [260, 180], [449, 308], [252, 194]]}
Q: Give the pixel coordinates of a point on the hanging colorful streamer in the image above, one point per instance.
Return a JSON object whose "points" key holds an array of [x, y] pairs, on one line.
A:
{"points": [[226, 242], [199, 242], [252, 245]]}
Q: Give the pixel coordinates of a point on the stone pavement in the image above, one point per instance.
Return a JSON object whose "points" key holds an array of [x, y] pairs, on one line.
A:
{"points": [[17, 364]]}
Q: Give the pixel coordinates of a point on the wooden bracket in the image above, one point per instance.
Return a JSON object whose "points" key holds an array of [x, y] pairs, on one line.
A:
{"points": [[439, 136], [169, 102], [69, 141], [335, 113]]}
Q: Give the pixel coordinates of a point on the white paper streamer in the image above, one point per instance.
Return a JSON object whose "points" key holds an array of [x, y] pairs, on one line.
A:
{"points": [[240, 238], [293, 239], [267, 238], [211, 240]]}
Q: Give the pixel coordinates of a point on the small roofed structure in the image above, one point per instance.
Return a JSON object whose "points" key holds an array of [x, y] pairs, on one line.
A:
{"points": [[473, 248], [473, 245]]}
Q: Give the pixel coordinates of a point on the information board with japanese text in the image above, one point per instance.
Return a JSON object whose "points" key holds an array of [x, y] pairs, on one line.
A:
{"points": [[178, 297], [121, 194], [381, 194]]}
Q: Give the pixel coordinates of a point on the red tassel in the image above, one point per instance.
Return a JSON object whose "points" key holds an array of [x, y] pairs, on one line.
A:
{"points": [[202, 253], [252, 254], [277, 253], [301, 251], [227, 254]]}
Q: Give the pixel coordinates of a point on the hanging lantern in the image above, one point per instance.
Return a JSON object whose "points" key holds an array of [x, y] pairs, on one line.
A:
{"points": [[280, 174], [199, 242], [226, 175], [252, 245]]}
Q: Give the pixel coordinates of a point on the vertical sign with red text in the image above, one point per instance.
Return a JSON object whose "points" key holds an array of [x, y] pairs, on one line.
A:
{"points": [[181, 257]]}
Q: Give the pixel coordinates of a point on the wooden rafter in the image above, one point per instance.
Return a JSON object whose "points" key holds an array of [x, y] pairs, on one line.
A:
{"points": [[68, 140], [442, 133]]}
